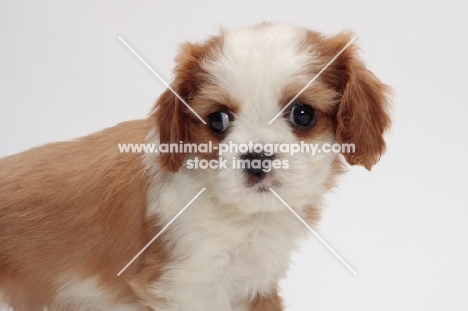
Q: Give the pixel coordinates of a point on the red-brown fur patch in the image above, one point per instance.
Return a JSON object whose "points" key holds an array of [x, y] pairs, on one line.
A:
{"points": [[74, 209], [176, 123], [362, 114], [271, 302]]}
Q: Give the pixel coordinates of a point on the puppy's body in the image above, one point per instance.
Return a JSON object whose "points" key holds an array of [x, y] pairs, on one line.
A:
{"points": [[73, 214], [65, 251]]}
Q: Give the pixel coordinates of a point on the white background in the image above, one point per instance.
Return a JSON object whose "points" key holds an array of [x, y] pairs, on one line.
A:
{"points": [[403, 226]]}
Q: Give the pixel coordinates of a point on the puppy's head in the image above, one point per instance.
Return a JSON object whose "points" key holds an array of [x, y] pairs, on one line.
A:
{"points": [[240, 80]]}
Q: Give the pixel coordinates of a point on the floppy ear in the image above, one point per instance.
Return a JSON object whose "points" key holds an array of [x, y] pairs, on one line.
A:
{"points": [[170, 113], [172, 117], [172, 127], [362, 116]]}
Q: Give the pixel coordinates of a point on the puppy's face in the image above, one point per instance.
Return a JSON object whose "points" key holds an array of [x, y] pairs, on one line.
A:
{"points": [[239, 81]]}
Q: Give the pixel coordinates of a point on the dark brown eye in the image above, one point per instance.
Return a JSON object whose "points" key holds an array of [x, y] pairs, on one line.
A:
{"points": [[219, 121], [302, 115]]}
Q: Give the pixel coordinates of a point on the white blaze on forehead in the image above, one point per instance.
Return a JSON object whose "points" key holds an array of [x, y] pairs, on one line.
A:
{"points": [[257, 63]]}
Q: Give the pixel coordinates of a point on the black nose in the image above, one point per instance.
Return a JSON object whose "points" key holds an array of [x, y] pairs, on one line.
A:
{"points": [[257, 165]]}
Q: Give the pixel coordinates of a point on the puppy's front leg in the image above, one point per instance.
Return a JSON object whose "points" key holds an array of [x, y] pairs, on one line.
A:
{"points": [[271, 302]]}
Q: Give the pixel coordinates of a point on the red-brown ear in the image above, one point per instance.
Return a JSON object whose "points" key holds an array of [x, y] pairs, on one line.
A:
{"points": [[172, 117], [362, 116], [172, 127]]}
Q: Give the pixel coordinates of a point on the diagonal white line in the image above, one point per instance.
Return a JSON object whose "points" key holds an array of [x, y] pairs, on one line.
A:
{"points": [[313, 231], [160, 232], [161, 79], [313, 79]]}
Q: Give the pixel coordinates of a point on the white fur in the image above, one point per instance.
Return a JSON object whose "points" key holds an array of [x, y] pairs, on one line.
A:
{"points": [[219, 255], [85, 295], [233, 241], [254, 69], [3, 306]]}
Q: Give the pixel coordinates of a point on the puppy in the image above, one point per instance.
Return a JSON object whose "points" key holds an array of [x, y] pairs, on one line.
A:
{"points": [[73, 214]]}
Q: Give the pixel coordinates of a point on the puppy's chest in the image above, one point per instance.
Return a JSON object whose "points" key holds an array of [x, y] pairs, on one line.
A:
{"points": [[227, 260]]}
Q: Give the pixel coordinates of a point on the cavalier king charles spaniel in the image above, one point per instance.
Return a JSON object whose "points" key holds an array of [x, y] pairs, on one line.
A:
{"points": [[74, 213]]}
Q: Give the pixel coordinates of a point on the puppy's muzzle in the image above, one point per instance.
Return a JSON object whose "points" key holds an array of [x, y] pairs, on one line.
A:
{"points": [[255, 168]]}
